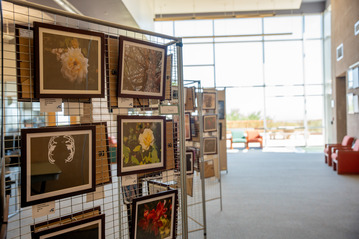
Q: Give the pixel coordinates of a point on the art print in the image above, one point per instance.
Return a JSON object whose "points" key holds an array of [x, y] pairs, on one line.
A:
{"points": [[210, 145], [209, 101], [209, 123]]}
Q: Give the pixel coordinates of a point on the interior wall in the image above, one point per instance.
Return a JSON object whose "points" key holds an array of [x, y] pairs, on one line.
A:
{"points": [[345, 13]]}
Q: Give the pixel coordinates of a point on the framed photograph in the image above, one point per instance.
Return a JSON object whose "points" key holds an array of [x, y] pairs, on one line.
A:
{"points": [[209, 123], [69, 62], [210, 145], [155, 187], [65, 220], [142, 69], [57, 162], [142, 148], [187, 125], [154, 216], [209, 101], [221, 109], [92, 227], [189, 161]]}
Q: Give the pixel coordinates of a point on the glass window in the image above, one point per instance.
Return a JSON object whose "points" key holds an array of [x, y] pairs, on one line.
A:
{"points": [[249, 26], [313, 26], [164, 27], [194, 28], [284, 91], [239, 64], [205, 74], [275, 25], [313, 51], [283, 63], [197, 54], [314, 90]]}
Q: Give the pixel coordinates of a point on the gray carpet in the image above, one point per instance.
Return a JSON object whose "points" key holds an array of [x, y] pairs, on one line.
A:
{"points": [[284, 195]]}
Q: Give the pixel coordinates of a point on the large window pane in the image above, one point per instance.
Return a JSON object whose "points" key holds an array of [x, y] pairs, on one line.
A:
{"points": [[200, 73], [313, 62], [193, 28], [283, 63], [232, 27], [239, 64], [275, 25], [197, 54], [164, 28], [313, 26], [284, 91]]}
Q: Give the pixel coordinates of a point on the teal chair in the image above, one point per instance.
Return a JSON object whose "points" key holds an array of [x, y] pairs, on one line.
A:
{"points": [[238, 136]]}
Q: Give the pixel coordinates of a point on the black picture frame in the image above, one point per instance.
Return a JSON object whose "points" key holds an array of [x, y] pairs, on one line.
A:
{"points": [[70, 153], [190, 161], [187, 125]]}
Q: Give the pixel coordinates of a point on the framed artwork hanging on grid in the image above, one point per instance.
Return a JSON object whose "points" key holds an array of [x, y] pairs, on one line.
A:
{"points": [[69, 62], [57, 162], [209, 123], [210, 145], [209, 101], [189, 161], [162, 224], [142, 148], [142, 69], [187, 125]]}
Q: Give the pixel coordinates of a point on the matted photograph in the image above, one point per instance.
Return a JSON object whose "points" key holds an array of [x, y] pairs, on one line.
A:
{"points": [[92, 227], [210, 145], [189, 161], [209, 123], [57, 162], [142, 146], [142, 69], [187, 125], [154, 187], [209, 101], [154, 216], [69, 62]]}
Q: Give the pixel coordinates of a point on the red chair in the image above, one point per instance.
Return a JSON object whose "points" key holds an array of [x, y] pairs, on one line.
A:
{"points": [[253, 136], [347, 141], [346, 161]]}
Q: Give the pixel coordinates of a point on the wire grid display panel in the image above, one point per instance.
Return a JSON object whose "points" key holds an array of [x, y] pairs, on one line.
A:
{"points": [[25, 113], [195, 190]]}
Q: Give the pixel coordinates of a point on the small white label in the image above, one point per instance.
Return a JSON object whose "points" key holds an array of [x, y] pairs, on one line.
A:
{"points": [[129, 180], [26, 33], [169, 109], [73, 109], [50, 105], [43, 209], [168, 176], [125, 102], [98, 194]]}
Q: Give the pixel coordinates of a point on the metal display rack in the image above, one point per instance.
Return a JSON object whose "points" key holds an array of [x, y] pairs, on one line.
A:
{"points": [[17, 114]]}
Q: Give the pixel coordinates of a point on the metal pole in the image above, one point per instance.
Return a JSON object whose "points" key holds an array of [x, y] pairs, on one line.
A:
{"points": [[88, 19], [201, 159], [183, 160], [219, 158]]}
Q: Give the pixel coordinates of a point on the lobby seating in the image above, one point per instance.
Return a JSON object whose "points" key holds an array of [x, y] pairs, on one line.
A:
{"points": [[347, 141], [253, 136], [238, 136], [346, 160]]}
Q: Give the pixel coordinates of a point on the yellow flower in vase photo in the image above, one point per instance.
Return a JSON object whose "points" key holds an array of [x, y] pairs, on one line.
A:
{"points": [[146, 139]]}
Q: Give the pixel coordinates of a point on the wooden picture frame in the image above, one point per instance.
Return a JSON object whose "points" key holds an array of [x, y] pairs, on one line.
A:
{"points": [[92, 227], [70, 153], [142, 147], [187, 125], [190, 161], [209, 100], [141, 69], [145, 227], [209, 123], [69, 62], [209, 145]]}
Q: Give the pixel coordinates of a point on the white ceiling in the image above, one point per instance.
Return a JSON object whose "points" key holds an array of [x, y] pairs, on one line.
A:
{"points": [[206, 6]]}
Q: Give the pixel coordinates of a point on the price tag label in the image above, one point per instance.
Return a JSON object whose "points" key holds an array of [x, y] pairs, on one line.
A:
{"points": [[43, 209], [50, 105], [125, 102], [169, 109], [129, 180]]}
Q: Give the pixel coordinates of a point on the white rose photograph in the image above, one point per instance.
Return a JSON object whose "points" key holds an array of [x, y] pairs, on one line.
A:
{"points": [[69, 62], [142, 143]]}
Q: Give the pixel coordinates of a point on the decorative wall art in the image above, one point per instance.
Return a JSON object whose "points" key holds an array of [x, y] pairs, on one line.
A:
{"points": [[209, 101], [187, 125], [142, 146], [142, 69], [209, 123], [56, 163], [69, 62], [154, 216], [93, 227], [209, 145], [189, 162]]}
